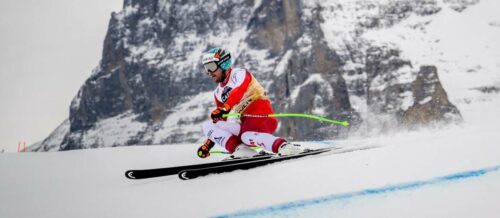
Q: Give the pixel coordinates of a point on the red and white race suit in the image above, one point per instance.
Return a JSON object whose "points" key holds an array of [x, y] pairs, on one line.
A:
{"points": [[244, 94]]}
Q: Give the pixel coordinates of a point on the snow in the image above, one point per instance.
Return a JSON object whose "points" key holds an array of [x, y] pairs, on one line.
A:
{"points": [[462, 45], [407, 101], [256, 5], [56, 137], [130, 10], [91, 183], [313, 78], [148, 51], [425, 100], [190, 110], [281, 67], [261, 58], [437, 190], [451, 171], [112, 131]]}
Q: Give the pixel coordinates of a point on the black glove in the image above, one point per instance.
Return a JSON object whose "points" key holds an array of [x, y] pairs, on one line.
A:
{"points": [[217, 114], [204, 150]]}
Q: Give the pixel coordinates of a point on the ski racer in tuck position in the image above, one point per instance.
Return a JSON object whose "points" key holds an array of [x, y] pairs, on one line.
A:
{"points": [[238, 91]]}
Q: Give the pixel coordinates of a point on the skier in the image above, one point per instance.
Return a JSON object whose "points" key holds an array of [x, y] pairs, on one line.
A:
{"points": [[238, 91]]}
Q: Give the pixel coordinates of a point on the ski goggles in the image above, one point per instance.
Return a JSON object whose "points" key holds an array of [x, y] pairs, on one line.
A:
{"points": [[211, 67]]}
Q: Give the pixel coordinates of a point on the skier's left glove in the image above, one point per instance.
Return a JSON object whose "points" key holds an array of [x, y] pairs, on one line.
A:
{"points": [[217, 114]]}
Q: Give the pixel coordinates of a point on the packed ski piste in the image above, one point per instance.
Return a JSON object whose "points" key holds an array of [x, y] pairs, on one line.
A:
{"points": [[242, 124]]}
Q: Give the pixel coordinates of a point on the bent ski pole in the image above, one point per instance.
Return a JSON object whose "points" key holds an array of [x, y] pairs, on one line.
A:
{"points": [[343, 123]]}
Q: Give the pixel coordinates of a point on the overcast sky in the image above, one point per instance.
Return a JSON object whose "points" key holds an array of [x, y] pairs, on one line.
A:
{"points": [[47, 50]]}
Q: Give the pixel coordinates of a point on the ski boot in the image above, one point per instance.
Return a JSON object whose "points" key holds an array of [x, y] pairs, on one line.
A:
{"points": [[290, 149], [243, 151]]}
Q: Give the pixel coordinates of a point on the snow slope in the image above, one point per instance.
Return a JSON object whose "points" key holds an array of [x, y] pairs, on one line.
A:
{"points": [[450, 171], [91, 183]]}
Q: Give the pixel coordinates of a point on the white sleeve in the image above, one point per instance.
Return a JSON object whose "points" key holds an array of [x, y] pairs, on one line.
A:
{"points": [[238, 77]]}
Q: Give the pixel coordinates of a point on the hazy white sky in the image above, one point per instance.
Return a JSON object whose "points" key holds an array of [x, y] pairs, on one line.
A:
{"points": [[47, 50]]}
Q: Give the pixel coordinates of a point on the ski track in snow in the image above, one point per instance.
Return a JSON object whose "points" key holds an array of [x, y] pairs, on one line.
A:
{"points": [[285, 210]]}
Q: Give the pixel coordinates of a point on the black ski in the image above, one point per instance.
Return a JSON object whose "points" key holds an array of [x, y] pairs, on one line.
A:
{"points": [[192, 173], [168, 171]]}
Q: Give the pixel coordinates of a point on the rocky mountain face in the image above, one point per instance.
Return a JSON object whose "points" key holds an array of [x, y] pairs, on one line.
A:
{"points": [[311, 56], [431, 102]]}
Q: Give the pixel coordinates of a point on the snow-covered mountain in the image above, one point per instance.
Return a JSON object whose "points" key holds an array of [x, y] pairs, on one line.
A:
{"points": [[379, 64]]}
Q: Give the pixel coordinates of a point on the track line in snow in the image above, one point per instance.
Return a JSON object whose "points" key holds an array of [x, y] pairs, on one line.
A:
{"points": [[367, 192]]}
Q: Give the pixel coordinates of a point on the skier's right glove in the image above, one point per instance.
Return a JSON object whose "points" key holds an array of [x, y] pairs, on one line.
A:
{"points": [[204, 150], [218, 113]]}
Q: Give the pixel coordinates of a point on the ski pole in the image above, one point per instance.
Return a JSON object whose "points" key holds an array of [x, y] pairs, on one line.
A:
{"points": [[225, 152], [343, 123], [219, 152]]}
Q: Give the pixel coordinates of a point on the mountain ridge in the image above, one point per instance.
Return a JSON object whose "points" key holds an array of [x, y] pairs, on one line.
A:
{"points": [[152, 50]]}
